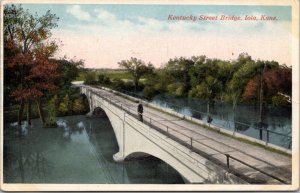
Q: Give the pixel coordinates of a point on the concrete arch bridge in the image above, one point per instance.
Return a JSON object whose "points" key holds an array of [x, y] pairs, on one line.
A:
{"points": [[195, 155]]}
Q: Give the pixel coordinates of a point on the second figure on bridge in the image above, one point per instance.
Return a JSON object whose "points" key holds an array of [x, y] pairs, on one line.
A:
{"points": [[140, 111]]}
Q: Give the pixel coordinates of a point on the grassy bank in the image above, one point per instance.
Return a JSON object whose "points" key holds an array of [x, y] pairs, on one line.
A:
{"points": [[110, 73]]}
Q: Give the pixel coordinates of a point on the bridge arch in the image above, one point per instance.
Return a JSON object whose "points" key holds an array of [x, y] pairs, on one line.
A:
{"points": [[145, 155]]}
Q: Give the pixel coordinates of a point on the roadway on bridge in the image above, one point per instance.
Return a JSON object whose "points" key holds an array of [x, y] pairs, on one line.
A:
{"points": [[213, 145]]}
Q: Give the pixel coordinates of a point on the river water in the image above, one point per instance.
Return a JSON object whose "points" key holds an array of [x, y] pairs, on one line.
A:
{"points": [[244, 120], [80, 150]]}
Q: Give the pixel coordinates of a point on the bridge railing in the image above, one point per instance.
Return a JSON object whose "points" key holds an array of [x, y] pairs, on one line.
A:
{"points": [[264, 134], [190, 142]]}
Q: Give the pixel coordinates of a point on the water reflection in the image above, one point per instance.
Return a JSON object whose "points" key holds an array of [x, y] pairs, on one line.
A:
{"points": [[80, 150], [244, 120]]}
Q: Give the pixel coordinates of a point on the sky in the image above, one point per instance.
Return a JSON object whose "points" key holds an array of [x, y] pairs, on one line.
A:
{"points": [[104, 34]]}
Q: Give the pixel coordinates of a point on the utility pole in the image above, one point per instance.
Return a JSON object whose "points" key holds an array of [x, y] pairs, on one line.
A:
{"points": [[261, 101]]}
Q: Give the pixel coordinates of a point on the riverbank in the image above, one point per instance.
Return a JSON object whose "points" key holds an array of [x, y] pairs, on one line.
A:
{"points": [[65, 102]]}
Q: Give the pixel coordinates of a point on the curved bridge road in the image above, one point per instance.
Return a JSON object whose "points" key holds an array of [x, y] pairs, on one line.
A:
{"points": [[254, 164]]}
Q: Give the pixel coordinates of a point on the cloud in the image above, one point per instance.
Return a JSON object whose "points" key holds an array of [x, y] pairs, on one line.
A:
{"points": [[108, 23], [77, 12], [151, 24], [117, 36], [105, 16]]}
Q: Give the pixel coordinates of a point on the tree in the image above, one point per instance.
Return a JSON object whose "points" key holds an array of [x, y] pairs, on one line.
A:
{"points": [[225, 72], [39, 80], [251, 91], [78, 106], [179, 70], [26, 36], [240, 79], [137, 68], [52, 108], [275, 80], [205, 80], [104, 79], [90, 78], [68, 70], [176, 89], [279, 80]]}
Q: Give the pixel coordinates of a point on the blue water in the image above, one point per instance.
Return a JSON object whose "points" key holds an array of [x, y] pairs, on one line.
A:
{"points": [[244, 120], [80, 150]]}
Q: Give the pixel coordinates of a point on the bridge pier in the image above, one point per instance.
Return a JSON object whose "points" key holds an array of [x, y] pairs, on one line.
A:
{"points": [[96, 112], [89, 114], [118, 157]]}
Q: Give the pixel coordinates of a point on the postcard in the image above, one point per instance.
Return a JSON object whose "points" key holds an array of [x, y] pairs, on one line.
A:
{"points": [[149, 95]]}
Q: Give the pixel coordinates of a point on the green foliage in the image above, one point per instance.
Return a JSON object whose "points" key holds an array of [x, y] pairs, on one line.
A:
{"points": [[115, 74], [154, 84], [280, 100], [78, 106], [28, 37], [52, 106], [207, 79], [149, 92], [104, 79], [65, 106], [25, 29], [179, 70], [50, 122], [245, 73], [137, 68], [176, 89], [118, 84], [227, 98], [213, 79], [198, 92], [69, 71], [56, 106], [129, 85], [90, 78]]}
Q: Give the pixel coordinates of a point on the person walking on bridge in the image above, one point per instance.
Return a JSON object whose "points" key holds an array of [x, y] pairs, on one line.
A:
{"points": [[140, 111]]}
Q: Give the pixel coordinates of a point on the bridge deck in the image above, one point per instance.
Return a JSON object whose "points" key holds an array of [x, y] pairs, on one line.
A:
{"points": [[214, 145]]}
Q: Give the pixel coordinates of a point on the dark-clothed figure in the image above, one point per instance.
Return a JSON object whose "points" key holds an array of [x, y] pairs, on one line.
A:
{"points": [[140, 111]]}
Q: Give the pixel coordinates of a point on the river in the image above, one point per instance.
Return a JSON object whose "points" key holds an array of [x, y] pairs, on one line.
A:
{"points": [[79, 151], [244, 120]]}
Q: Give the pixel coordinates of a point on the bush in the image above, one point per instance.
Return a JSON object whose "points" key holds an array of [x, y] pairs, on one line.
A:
{"points": [[52, 106], [228, 98], [160, 87], [64, 106], [78, 106], [128, 85], [199, 91], [103, 79], [106, 80], [50, 122], [176, 89], [118, 84], [149, 92], [280, 100], [90, 78]]}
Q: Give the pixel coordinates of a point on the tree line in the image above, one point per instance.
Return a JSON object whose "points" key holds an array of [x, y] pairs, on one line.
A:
{"points": [[243, 80]]}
